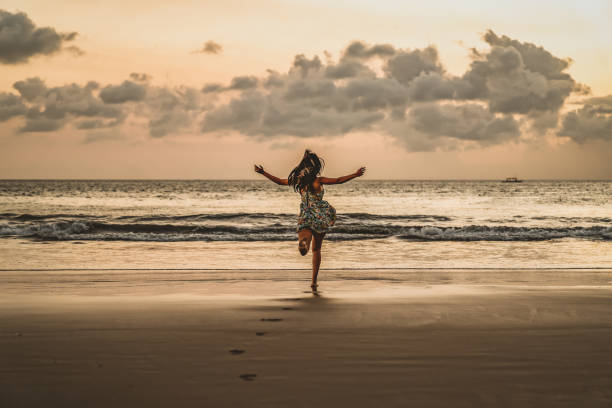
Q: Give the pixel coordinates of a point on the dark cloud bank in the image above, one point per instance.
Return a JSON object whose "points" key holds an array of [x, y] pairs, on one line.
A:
{"points": [[21, 40], [510, 89], [91, 106]]}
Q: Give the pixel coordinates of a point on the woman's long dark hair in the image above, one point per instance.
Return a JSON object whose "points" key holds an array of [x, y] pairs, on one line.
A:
{"points": [[306, 172]]}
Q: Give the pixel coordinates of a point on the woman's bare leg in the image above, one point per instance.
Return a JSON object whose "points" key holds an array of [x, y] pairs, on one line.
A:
{"points": [[316, 257], [304, 238]]}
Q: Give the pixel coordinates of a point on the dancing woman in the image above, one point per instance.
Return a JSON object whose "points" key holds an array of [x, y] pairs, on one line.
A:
{"points": [[316, 214]]}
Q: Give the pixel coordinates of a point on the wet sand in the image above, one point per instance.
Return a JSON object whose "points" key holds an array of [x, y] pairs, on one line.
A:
{"points": [[258, 338]]}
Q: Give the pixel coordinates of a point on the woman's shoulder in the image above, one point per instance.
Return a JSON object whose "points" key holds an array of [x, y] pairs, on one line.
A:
{"points": [[316, 186]]}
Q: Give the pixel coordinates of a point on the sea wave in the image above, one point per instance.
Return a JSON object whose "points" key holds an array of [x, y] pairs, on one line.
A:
{"points": [[504, 233], [230, 217], [276, 227], [280, 217]]}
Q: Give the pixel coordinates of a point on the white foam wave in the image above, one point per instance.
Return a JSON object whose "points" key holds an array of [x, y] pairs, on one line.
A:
{"points": [[81, 230], [502, 233]]}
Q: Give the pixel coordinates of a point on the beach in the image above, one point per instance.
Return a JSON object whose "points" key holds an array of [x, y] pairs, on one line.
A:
{"points": [[243, 338], [190, 293], [177, 177]]}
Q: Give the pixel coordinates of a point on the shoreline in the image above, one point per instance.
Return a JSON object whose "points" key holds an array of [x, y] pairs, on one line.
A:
{"points": [[423, 268], [269, 281], [283, 255]]}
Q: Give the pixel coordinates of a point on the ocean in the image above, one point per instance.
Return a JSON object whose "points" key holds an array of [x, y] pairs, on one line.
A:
{"points": [[250, 224]]}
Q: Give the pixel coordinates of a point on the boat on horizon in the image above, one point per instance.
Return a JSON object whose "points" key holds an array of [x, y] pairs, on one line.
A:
{"points": [[512, 180]]}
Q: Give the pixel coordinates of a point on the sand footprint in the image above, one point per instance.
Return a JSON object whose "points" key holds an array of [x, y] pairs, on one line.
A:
{"points": [[251, 377]]}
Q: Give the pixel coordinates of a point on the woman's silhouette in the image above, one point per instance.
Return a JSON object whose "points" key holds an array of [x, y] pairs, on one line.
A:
{"points": [[316, 214]]}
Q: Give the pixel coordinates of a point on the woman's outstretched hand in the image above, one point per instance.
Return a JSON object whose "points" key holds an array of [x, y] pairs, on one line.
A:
{"points": [[259, 169], [360, 172]]}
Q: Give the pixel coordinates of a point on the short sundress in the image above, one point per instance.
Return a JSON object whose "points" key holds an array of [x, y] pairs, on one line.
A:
{"points": [[316, 214]]}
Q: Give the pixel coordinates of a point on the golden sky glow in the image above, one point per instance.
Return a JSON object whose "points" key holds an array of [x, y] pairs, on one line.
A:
{"points": [[162, 39]]}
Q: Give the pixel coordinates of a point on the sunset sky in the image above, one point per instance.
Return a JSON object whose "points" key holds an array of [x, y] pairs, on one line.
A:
{"points": [[204, 89]]}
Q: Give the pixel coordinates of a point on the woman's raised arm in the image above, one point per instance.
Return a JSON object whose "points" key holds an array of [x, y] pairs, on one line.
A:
{"points": [[282, 182], [343, 179]]}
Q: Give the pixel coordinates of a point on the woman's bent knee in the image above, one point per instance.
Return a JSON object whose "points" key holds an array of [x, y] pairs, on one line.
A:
{"points": [[303, 246], [304, 239]]}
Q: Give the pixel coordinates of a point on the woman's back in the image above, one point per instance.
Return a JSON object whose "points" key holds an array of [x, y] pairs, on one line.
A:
{"points": [[312, 195]]}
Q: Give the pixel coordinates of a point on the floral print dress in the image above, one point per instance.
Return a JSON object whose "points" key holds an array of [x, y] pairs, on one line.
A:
{"points": [[316, 214]]}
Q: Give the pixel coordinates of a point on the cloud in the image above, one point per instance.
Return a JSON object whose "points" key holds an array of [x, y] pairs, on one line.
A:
{"points": [[10, 106], [98, 123], [210, 88], [210, 47], [38, 122], [306, 101], [76, 100], [21, 40], [518, 77], [140, 77], [238, 83], [50, 109], [255, 114], [303, 65], [511, 77], [535, 59], [243, 82], [375, 94], [75, 51], [542, 122], [351, 63], [588, 123], [432, 86], [601, 104], [361, 50], [432, 126], [466, 122], [125, 92], [173, 109], [511, 90], [30, 88], [273, 80], [415, 100], [293, 120], [347, 69], [407, 65], [88, 107], [104, 136], [316, 91], [241, 114]]}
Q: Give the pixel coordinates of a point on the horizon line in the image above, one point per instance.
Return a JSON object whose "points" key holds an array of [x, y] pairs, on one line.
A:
{"points": [[259, 179]]}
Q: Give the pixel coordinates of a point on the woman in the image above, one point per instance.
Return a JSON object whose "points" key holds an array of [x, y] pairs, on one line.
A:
{"points": [[316, 214]]}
